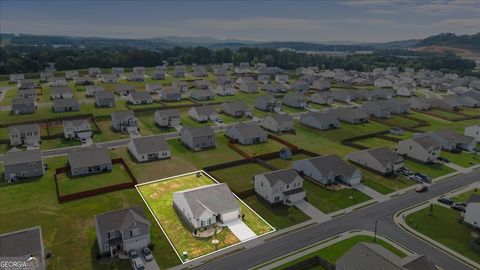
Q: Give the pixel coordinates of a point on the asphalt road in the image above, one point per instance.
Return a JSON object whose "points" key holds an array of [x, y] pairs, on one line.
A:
{"points": [[360, 219]]}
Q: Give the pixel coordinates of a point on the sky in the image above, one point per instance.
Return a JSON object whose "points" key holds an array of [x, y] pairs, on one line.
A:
{"points": [[316, 21]]}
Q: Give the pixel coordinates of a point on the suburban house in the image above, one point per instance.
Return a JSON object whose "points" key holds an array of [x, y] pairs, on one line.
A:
{"points": [[137, 98], [24, 245], [158, 74], [400, 106], [456, 140], [104, 99], [377, 109], [19, 164], [170, 94], [320, 120], [295, 100], [122, 230], [26, 84], [57, 81], [199, 71], [202, 84], [203, 113], [61, 92], [275, 88], [28, 134], [45, 75], [219, 70], [94, 72], [23, 105], [446, 104], [86, 80], [152, 88], [198, 138], [27, 93], [135, 77], [225, 90], [124, 89], [88, 160], [138, 70], [118, 71], [380, 159], [246, 133], [350, 115], [321, 85], [179, 72], [472, 211], [236, 109], [473, 131], [109, 78], [65, 105], [300, 86], [77, 129], [14, 78], [278, 123], [202, 94], [221, 80], [376, 257], [267, 103], [419, 103], [149, 148], [322, 98], [181, 86], [280, 187], [167, 118], [264, 78], [204, 206], [383, 83], [424, 148], [328, 170], [281, 78], [125, 121], [249, 87], [71, 74], [92, 90]]}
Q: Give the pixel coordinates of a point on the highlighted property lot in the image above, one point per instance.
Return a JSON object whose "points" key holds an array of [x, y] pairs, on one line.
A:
{"points": [[158, 195]]}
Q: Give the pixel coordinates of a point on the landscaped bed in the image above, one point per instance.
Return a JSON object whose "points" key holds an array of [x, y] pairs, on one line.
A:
{"points": [[443, 226], [158, 196]]}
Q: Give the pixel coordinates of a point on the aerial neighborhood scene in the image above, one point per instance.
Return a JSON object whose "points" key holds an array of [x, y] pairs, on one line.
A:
{"points": [[217, 135]]}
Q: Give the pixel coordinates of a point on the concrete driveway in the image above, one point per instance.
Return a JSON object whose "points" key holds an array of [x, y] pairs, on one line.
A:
{"points": [[241, 231], [377, 196], [311, 211], [151, 265]]}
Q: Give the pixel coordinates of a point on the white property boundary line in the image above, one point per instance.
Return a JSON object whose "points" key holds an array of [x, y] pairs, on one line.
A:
{"points": [[215, 181]]}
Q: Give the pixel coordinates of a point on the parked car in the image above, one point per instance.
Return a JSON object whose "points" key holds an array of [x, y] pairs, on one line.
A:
{"points": [[421, 188], [464, 204], [423, 177], [147, 254], [405, 171], [444, 159], [446, 201], [133, 254], [458, 207], [417, 178], [137, 264]]}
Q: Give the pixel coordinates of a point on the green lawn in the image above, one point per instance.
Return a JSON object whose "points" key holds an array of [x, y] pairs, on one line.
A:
{"points": [[286, 163], [463, 159], [376, 142], [158, 195], [333, 252], [385, 184], [463, 197], [431, 170], [68, 229], [58, 143], [444, 114], [70, 185], [279, 216], [329, 201], [443, 227], [398, 121], [261, 148], [239, 178]]}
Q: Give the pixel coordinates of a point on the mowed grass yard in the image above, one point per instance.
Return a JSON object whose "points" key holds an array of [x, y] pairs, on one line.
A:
{"points": [[287, 163], [69, 185], [463, 159], [376, 142], [261, 148], [463, 197], [333, 252], [431, 170], [68, 229], [385, 184], [329, 201], [443, 227], [399, 121], [158, 196], [239, 178]]}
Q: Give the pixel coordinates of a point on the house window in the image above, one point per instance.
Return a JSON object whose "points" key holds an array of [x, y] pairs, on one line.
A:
{"points": [[261, 184], [135, 232], [110, 235]]}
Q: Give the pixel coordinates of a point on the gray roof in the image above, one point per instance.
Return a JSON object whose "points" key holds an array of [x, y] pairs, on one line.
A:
{"points": [[168, 112], [140, 95], [77, 122], [449, 135], [88, 156], [205, 110], [104, 95], [120, 219], [16, 156], [417, 262], [352, 113], [286, 176], [199, 131], [333, 164], [27, 242], [65, 102], [22, 101], [215, 198], [150, 144], [24, 128], [236, 106], [124, 87], [249, 130], [60, 90], [382, 155], [366, 256], [123, 114], [281, 117]]}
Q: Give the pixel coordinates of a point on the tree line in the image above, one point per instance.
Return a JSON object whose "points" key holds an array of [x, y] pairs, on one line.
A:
{"points": [[28, 59]]}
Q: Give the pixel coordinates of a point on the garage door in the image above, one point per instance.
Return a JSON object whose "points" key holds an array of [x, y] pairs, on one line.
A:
{"points": [[229, 216]]}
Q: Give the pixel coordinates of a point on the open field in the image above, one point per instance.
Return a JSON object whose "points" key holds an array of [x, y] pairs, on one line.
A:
{"points": [[443, 227], [158, 196]]}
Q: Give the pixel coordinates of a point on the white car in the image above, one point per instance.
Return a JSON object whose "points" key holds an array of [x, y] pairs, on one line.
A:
{"points": [[147, 254], [137, 264]]}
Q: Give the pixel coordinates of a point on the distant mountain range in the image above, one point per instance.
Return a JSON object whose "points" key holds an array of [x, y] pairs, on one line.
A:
{"points": [[450, 40]]}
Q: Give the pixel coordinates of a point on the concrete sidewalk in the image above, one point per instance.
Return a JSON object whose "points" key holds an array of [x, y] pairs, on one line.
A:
{"points": [[312, 211], [377, 196]]}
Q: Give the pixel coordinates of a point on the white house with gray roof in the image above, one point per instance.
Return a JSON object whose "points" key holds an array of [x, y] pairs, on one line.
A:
{"points": [[295, 100], [27, 134], [267, 103], [125, 121], [278, 123], [14, 78], [472, 211], [24, 245], [320, 120], [71, 74], [153, 88], [381, 159], [321, 85], [149, 148], [122, 230], [26, 84], [85, 80], [23, 105], [300, 86], [322, 98], [27, 93], [350, 115], [246, 133], [104, 99], [158, 74], [19, 164], [236, 109], [225, 90], [135, 77], [124, 89], [203, 113], [94, 72], [473, 131], [65, 105], [179, 71], [205, 206], [202, 94], [138, 98], [377, 109], [280, 187], [88, 160], [92, 90], [419, 103], [424, 148], [328, 169], [109, 78], [57, 81], [61, 92], [79, 129], [198, 138], [456, 140], [167, 118], [170, 94]]}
